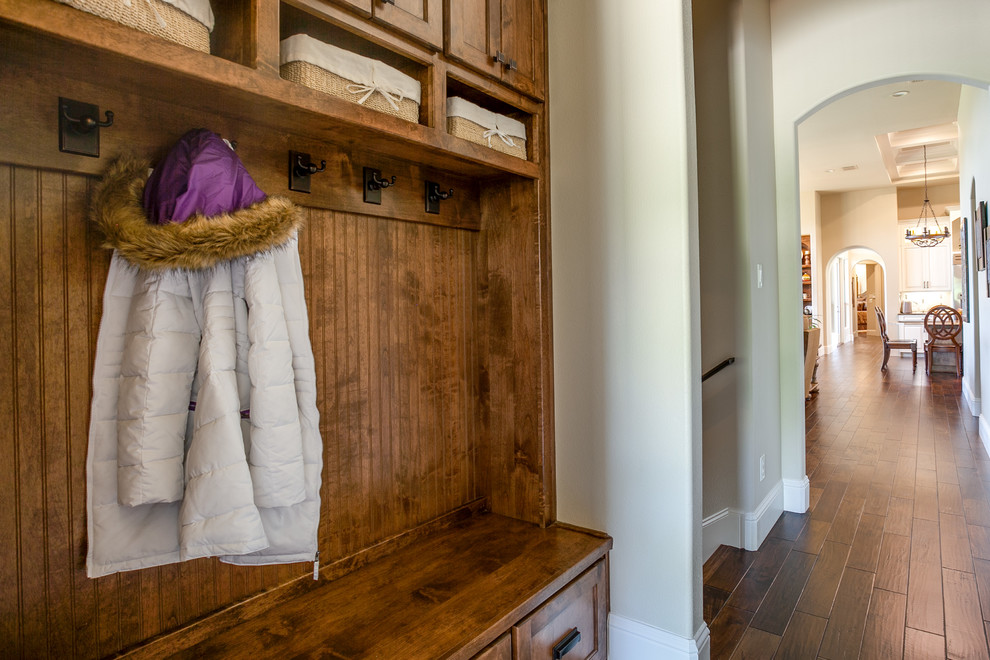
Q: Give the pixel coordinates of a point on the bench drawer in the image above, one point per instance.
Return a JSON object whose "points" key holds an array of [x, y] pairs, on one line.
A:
{"points": [[500, 649], [569, 626]]}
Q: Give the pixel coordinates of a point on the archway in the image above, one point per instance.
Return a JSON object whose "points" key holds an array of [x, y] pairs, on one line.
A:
{"points": [[856, 283], [789, 232]]}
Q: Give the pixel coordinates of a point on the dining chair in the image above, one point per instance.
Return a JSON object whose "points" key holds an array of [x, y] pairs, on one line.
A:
{"points": [[943, 325], [900, 344]]}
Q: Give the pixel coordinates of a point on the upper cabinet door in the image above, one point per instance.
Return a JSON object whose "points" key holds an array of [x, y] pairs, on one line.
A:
{"points": [[421, 19], [522, 45], [473, 34], [500, 38], [363, 6]]}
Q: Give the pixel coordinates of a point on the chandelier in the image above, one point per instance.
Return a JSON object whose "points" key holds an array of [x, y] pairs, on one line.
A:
{"points": [[921, 235]]}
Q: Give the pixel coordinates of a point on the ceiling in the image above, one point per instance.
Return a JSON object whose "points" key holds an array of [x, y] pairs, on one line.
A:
{"points": [[874, 138]]}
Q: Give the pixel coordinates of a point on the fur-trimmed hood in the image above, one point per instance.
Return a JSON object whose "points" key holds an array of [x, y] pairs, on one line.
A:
{"points": [[199, 242]]}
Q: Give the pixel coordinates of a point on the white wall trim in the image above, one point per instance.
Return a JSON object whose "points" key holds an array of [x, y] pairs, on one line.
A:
{"points": [[758, 524], [974, 403], [985, 432], [629, 639], [742, 529], [797, 494], [722, 528]]}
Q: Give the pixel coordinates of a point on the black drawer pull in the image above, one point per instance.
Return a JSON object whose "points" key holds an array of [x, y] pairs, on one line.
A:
{"points": [[561, 648]]}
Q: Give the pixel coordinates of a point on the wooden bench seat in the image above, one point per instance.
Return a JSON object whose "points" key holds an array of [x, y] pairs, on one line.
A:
{"points": [[448, 595]]}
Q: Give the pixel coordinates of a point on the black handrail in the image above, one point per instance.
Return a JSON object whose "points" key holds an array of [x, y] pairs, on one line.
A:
{"points": [[717, 368]]}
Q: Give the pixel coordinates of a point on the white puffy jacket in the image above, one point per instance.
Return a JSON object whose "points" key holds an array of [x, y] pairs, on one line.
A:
{"points": [[204, 432]]}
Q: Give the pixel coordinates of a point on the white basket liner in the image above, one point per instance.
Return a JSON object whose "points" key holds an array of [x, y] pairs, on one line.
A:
{"points": [[458, 107], [198, 9], [362, 70]]}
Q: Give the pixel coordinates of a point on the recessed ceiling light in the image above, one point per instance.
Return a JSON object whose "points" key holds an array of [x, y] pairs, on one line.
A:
{"points": [[830, 171], [899, 93]]}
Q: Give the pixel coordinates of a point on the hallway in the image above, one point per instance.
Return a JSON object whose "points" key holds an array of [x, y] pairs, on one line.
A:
{"points": [[893, 558]]}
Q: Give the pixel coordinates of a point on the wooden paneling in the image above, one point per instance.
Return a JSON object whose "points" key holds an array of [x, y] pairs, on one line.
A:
{"points": [[431, 333], [516, 399], [392, 321]]}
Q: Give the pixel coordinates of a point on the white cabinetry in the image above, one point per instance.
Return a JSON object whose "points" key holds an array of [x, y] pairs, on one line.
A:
{"points": [[926, 269], [914, 331]]}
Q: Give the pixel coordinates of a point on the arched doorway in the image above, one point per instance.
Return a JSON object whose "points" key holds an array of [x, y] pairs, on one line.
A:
{"points": [[839, 317], [855, 284], [802, 31]]}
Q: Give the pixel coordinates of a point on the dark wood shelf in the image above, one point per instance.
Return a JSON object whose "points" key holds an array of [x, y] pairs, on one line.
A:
{"points": [[447, 595], [58, 40]]}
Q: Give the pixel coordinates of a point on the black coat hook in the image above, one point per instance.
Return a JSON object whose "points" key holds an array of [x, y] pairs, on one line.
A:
{"points": [[376, 183], [307, 168], [86, 123], [434, 195], [301, 167], [79, 127]]}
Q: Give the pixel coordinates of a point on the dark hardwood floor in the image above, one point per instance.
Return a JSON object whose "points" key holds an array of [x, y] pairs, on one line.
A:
{"points": [[893, 558]]}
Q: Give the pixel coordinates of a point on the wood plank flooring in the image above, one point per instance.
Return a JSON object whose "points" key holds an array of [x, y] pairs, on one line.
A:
{"points": [[893, 558]]}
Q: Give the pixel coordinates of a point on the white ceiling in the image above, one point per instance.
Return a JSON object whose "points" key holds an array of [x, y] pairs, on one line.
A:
{"points": [[872, 139]]}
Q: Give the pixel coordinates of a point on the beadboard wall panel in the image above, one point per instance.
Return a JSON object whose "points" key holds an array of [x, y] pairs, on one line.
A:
{"points": [[392, 318]]}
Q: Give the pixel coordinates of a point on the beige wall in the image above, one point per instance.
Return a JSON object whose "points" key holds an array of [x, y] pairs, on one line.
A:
{"points": [[718, 250], [627, 359], [974, 163], [941, 196]]}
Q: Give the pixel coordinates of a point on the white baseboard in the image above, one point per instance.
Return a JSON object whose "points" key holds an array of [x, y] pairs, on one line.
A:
{"points": [[722, 528], [797, 494], [973, 401], [985, 432], [629, 639], [757, 524], [742, 529]]}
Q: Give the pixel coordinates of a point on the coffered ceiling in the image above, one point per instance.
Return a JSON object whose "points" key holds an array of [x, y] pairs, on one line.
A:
{"points": [[877, 138]]}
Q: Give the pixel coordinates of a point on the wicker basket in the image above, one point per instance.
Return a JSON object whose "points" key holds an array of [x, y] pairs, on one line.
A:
{"points": [[151, 16], [328, 82], [367, 82], [475, 124]]}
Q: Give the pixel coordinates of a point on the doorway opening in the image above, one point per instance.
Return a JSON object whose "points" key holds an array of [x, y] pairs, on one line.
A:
{"points": [[855, 286]]}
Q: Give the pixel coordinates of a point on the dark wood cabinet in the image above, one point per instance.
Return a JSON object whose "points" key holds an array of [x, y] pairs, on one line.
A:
{"points": [[504, 39], [431, 338], [420, 19]]}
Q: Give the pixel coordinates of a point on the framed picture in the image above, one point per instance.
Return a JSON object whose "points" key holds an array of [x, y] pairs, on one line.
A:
{"points": [[986, 248], [978, 236], [964, 255]]}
